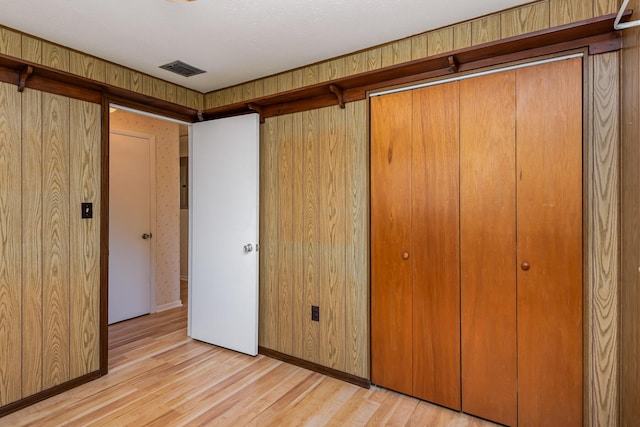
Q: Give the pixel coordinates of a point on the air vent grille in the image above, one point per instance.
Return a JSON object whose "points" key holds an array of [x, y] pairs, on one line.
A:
{"points": [[182, 69]]}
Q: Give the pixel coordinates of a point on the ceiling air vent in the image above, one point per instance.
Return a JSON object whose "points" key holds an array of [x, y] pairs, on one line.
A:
{"points": [[182, 69]]}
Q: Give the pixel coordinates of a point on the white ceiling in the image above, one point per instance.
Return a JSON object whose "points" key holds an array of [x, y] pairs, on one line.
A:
{"points": [[233, 40]]}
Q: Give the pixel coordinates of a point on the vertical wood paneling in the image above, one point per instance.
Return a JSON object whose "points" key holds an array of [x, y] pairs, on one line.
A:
{"points": [[462, 36], [396, 52], [526, 19], [55, 56], [605, 261], [419, 46], [10, 243], [332, 238], [357, 230], [268, 331], [118, 76], [194, 99], [356, 63], [56, 239], [311, 218], [172, 93], [135, 80], [87, 66], [630, 227], [300, 311], [158, 88], [31, 49], [271, 85], [10, 42], [604, 7], [374, 59], [84, 238], [331, 70], [567, 11], [285, 233], [485, 30], [181, 95], [440, 41], [32, 242]]}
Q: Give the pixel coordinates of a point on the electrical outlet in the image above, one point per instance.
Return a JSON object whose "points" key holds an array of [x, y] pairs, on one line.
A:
{"points": [[87, 210], [315, 313]]}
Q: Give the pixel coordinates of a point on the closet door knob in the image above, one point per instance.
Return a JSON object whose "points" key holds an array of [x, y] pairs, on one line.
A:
{"points": [[525, 266], [405, 256]]}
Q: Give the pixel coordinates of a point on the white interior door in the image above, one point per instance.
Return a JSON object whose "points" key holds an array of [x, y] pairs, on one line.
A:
{"points": [[130, 194], [223, 279]]}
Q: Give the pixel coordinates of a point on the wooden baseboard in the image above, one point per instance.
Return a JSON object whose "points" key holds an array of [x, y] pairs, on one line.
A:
{"points": [[34, 398], [362, 382]]}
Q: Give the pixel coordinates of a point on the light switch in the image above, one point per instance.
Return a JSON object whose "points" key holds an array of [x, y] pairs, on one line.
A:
{"points": [[87, 210]]}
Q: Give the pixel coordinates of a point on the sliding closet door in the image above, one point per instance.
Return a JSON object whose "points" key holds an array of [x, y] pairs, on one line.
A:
{"points": [[435, 245], [391, 291], [549, 152], [488, 242]]}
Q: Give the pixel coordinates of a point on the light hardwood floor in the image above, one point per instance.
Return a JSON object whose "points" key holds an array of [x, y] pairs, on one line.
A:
{"points": [[160, 377]]}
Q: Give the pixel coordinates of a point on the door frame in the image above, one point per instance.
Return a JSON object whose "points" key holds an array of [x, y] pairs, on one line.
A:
{"points": [[152, 208]]}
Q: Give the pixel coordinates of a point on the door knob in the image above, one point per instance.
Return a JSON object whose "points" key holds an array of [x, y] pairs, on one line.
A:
{"points": [[146, 236], [525, 266], [405, 256], [248, 247]]}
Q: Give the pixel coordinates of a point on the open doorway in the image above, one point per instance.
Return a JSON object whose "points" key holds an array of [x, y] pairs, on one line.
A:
{"points": [[169, 227]]}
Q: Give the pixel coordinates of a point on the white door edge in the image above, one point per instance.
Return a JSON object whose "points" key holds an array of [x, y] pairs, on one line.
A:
{"points": [[152, 209]]}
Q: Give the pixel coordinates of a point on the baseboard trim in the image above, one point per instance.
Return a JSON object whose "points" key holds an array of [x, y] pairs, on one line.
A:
{"points": [[169, 306], [330, 372], [35, 398]]}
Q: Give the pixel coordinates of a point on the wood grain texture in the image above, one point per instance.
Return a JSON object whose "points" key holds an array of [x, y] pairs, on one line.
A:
{"points": [[270, 85], [311, 224], [391, 289], [55, 56], [269, 203], [568, 11], [396, 52], [10, 42], [117, 76], [87, 66], [485, 30], [462, 37], [135, 80], [299, 308], [604, 7], [84, 238], [419, 46], [630, 229], [181, 95], [31, 49], [10, 243], [331, 216], [32, 261], [525, 19], [55, 239], [434, 254], [487, 243], [606, 245], [356, 63], [331, 70], [357, 241], [285, 233], [172, 95], [549, 217], [440, 41]]}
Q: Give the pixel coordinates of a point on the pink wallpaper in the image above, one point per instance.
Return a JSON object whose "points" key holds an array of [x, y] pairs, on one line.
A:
{"points": [[167, 200]]}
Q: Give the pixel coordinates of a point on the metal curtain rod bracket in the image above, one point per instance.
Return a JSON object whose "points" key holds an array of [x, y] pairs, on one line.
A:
{"points": [[617, 25]]}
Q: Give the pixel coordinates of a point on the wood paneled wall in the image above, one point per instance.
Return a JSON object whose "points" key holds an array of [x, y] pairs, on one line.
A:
{"points": [[49, 256], [630, 225], [23, 46], [313, 236], [534, 16]]}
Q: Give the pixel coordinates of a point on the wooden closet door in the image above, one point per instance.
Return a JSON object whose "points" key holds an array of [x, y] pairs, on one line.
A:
{"points": [[487, 245], [435, 245], [391, 293], [549, 194]]}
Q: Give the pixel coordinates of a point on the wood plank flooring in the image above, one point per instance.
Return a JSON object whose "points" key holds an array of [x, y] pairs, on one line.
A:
{"points": [[160, 377]]}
